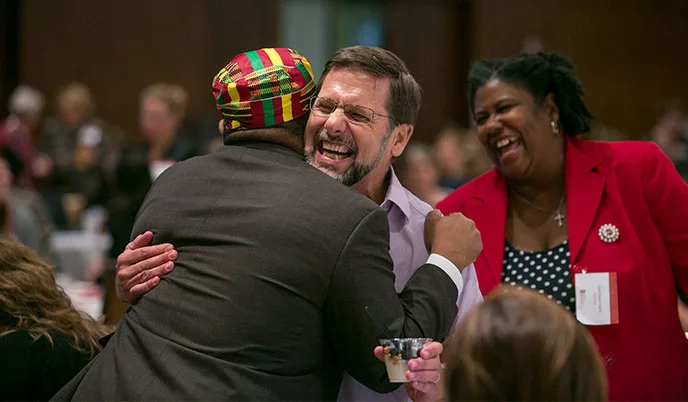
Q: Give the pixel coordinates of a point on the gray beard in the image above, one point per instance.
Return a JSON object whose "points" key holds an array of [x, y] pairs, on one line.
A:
{"points": [[357, 171]]}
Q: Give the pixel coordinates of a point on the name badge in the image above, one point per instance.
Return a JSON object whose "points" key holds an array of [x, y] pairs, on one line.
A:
{"points": [[597, 300]]}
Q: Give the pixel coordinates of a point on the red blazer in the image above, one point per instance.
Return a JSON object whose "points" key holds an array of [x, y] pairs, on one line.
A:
{"points": [[633, 186]]}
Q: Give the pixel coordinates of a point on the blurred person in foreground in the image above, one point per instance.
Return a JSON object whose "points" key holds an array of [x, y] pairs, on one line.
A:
{"points": [[418, 173], [358, 155], [254, 219], [18, 131], [44, 341], [520, 346], [76, 157], [23, 216], [557, 209]]}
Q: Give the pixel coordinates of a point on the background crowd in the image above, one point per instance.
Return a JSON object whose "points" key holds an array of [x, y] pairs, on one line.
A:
{"points": [[73, 177], [68, 177]]}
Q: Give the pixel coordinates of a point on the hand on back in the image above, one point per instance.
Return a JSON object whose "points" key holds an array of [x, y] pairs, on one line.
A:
{"points": [[140, 267]]}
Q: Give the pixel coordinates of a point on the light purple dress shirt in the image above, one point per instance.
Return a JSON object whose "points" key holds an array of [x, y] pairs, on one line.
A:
{"points": [[406, 215]]}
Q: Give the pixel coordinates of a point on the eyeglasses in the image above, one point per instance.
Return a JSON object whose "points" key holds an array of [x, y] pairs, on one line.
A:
{"points": [[357, 114]]}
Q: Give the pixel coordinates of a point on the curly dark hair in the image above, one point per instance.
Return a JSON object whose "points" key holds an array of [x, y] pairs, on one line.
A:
{"points": [[29, 294], [540, 74]]}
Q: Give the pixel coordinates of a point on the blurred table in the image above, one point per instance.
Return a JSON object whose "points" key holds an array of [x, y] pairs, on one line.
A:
{"points": [[76, 251], [85, 296]]}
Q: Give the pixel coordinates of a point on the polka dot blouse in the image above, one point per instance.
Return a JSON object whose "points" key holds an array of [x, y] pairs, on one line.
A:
{"points": [[547, 272]]}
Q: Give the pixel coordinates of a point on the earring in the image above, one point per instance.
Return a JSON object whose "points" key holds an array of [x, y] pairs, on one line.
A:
{"points": [[555, 127]]}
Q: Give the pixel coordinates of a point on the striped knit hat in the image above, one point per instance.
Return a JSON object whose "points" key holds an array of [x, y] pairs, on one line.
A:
{"points": [[264, 88]]}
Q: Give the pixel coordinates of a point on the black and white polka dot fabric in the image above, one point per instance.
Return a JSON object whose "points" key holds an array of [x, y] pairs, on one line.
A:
{"points": [[546, 271]]}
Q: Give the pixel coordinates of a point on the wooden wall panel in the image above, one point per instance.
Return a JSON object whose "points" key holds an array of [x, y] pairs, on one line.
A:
{"points": [[433, 38], [630, 55], [9, 13], [118, 48]]}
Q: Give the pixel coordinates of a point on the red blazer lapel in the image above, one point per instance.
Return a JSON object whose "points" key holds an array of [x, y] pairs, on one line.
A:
{"points": [[585, 179], [489, 214]]}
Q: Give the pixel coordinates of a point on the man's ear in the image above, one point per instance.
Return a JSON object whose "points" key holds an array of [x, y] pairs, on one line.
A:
{"points": [[400, 138], [221, 126]]}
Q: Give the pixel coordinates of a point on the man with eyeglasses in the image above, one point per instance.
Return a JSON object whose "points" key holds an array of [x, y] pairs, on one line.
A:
{"points": [[361, 119]]}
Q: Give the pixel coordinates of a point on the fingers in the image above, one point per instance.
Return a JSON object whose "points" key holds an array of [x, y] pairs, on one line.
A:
{"points": [[379, 353], [431, 350], [427, 376], [131, 289], [420, 365], [156, 271], [433, 216], [141, 240], [431, 220], [428, 367], [427, 388], [126, 272], [133, 261], [139, 290]]}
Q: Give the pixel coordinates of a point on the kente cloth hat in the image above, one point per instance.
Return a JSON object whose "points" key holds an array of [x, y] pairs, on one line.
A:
{"points": [[263, 88]]}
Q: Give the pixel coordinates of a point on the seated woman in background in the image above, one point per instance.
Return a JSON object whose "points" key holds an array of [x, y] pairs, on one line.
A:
{"points": [[44, 341], [23, 216], [520, 346]]}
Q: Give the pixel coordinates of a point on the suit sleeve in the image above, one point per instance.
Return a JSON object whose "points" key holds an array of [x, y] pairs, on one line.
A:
{"points": [[667, 197], [364, 277]]}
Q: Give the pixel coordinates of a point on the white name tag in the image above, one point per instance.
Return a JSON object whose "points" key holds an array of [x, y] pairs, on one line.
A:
{"points": [[597, 300]]}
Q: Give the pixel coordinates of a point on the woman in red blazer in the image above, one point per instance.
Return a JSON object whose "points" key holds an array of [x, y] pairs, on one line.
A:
{"points": [[557, 206]]}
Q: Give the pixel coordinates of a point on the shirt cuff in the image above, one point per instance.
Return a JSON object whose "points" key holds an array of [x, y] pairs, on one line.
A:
{"points": [[449, 268]]}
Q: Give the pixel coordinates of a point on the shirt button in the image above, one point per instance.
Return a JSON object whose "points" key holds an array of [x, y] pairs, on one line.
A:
{"points": [[577, 269], [608, 359]]}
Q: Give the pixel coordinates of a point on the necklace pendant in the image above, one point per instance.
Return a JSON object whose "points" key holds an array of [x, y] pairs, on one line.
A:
{"points": [[559, 217]]}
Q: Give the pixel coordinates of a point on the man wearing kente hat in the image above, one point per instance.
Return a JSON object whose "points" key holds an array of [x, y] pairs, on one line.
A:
{"points": [[277, 264], [378, 102]]}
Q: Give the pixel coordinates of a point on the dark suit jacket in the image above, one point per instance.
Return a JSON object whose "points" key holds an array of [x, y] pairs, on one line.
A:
{"points": [[276, 263], [131, 184], [633, 186]]}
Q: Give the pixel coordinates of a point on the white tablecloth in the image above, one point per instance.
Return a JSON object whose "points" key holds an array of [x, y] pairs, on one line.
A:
{"points": [[86, 297]]}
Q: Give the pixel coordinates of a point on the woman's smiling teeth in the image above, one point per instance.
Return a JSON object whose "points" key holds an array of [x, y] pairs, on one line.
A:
{"points": [[503, 144], [334, 150]]}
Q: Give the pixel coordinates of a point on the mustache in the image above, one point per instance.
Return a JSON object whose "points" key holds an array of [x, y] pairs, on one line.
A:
{"points": [[323, 135]]}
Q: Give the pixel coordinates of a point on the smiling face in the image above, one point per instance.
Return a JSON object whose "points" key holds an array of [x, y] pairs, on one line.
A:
{"points": [[516, 131], [350, 150]]}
